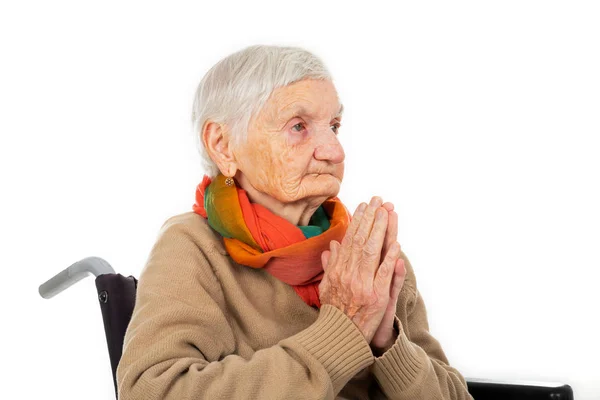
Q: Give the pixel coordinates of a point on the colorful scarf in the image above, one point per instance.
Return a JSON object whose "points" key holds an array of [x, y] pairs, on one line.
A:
{"points": [[255, 237]]}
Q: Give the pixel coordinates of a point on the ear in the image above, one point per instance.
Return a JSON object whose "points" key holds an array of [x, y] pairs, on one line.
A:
{"points": [[217, 142]]}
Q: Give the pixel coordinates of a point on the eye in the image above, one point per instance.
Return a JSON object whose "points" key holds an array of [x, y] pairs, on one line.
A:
{"points": [[337, 127], [298, 124]]}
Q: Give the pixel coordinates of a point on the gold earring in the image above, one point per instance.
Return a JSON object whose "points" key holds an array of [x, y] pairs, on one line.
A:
{"points": [[229, 181]]}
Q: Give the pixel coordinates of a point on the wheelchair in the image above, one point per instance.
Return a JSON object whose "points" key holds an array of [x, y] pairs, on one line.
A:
{"points": [[117, 295]]}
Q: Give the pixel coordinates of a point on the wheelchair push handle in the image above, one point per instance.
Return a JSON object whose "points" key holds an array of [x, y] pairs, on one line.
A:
{"points": [[73, 274]]}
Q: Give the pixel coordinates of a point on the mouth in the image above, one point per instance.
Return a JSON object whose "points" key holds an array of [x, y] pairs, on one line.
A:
{"points": [[316, 176]]}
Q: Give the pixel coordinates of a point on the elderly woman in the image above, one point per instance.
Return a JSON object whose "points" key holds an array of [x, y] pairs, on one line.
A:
{"points": [[270, 288]]}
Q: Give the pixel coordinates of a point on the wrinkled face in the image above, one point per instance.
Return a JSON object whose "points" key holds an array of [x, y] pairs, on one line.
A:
{"points": [[293, 152]]}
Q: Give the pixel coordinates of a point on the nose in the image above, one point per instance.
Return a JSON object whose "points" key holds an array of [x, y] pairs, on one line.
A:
{"points": [[329, 148]]}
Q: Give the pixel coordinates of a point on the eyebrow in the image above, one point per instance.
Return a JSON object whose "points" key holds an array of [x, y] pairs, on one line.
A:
{"points": [[302, 110]]}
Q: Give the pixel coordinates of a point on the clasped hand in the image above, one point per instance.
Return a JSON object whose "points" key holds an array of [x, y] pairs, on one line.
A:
{"points": [[365, 273]]}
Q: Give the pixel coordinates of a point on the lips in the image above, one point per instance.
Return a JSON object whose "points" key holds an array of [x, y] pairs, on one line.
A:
{"points": [[317, 175]]}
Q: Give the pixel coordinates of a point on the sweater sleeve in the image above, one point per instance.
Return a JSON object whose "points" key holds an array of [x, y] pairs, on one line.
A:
{"points": [[179, 343], [415, 367]]}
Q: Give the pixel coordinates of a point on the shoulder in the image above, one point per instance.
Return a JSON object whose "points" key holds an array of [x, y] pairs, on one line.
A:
{"points": [[191, 227], [184, 258]]}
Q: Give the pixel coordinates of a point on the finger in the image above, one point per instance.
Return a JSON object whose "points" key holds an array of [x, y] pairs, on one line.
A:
{"points": [[385, 272], [392, 231], [366, 224], [372, 250], [357, 216], [334, 251], [388, 206], [324, 259], [361, 236], [398, 280], [334, 247], [345, 249]]}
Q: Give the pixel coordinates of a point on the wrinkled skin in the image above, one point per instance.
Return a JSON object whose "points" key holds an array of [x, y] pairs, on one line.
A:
{"points": [[357, 280], [291, 163]]}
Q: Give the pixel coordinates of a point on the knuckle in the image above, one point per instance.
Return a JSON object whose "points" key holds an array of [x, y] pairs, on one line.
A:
{"points": [[370, 250], [347, 241], [389, 257], [384, 269], [359, 240], [383, 279], [394, 251], [369, 258]]}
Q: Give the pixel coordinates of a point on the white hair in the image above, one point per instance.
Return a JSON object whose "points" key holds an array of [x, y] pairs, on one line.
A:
{"points": [[237, 87]]}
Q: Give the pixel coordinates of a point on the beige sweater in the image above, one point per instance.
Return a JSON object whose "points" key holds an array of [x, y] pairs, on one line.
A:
{"points": [[205, 327]]}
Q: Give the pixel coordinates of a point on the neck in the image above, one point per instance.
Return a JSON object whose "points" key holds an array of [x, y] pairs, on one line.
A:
{"points": [[297, 213]]}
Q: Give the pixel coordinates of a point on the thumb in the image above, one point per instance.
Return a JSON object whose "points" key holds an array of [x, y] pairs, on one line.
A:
{"points": [[325, 258], [398, 279]]}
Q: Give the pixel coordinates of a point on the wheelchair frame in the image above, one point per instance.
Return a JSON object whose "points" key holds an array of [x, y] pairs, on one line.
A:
{"points": [[117, 295]]}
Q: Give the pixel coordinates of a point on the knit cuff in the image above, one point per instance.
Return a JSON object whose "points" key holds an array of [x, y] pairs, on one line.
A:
{"points": [[401, 365], [338, 344]]}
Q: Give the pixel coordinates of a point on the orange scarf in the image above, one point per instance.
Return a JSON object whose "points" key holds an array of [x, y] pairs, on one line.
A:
{"points": [[257, 238]]}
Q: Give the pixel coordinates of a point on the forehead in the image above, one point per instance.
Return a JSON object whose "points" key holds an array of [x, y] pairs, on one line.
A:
{"points": [[315, 98]]}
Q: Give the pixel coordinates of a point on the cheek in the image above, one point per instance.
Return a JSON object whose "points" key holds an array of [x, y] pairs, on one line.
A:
{"points": [[288, 166], [283, 167], [266, 162], [277, 166]]}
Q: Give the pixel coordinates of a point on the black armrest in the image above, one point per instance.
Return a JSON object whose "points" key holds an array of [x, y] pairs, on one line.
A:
{"points": [[483, 389]]}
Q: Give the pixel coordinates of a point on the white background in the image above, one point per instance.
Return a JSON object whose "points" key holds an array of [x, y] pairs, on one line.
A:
{"points": [[478, 120]]}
